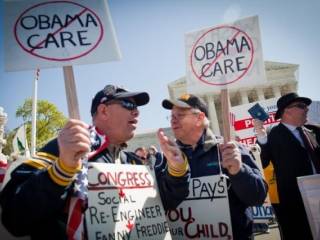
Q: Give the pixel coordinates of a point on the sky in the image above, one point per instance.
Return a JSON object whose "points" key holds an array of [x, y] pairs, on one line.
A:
{"points": [[150, 35]]}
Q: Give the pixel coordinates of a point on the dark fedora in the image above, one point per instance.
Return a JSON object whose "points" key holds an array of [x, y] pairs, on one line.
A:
{"points": [[287, 99]]}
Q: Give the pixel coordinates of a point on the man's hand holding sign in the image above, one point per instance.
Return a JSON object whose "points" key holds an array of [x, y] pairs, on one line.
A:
{"points": [[74, 143], [231, 157]]}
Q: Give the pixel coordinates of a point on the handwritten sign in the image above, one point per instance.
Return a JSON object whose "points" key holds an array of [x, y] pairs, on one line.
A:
{"points": [[228, 54], [58, 33], [124, 203], [204, 214]]}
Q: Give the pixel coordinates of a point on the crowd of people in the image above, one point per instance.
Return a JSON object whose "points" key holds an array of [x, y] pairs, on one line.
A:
{"points": [[36, 200]]}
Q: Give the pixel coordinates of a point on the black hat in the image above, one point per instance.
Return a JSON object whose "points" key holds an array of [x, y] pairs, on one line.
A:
{"points": [[111, 92], [287, 99], [186, 101]]}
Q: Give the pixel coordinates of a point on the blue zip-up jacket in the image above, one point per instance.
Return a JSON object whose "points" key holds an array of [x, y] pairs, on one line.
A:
{"points": [[247, 188]]}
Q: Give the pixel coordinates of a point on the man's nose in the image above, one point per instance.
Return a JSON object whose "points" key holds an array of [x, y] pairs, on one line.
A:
{"points": [[135, 112]]}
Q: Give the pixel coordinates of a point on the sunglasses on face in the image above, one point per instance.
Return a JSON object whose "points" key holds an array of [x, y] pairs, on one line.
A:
{"points": [[126, 104], [299, 105]]}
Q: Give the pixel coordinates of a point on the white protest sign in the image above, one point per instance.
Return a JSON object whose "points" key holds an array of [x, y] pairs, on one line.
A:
{"points": [[309, 187], [314, 112], [124, 203], [46, 34], [243, 122], [225, 56], [204, 213]]}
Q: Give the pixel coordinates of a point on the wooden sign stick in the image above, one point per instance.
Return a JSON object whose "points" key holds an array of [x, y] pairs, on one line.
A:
{"points": [[225, 110], [71, 92]]}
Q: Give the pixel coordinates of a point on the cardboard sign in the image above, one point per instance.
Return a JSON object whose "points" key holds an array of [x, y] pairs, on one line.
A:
{"points": [[205, 213], [225, 56], [124, 203], [45, 34]]}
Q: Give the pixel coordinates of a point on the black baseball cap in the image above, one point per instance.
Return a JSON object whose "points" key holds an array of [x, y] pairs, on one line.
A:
{"points": [[112, 92], [187, 101]]}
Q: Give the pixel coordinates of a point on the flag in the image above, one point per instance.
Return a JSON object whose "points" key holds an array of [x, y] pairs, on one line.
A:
{"points": [[79, 199], [19, 142], [78, 205]]}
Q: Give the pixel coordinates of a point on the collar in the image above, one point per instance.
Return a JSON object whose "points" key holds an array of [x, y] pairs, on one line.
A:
{"points": [[207, 140], [290, 127]]}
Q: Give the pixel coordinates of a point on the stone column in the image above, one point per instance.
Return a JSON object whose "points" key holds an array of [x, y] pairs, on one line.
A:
{"points": [[244, 97], [212, 114], [292, 88], [276, 91], [260, 94]]}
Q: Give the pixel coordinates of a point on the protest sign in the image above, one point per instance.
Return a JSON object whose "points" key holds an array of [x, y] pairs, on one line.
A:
{"points": [[124, 203], [205, 213], [45, 34], [314, 112], [310, 192], [225, 56]]}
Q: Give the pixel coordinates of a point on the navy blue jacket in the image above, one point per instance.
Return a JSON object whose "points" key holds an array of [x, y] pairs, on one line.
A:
{"points": [[33, 204], [247, 188]]}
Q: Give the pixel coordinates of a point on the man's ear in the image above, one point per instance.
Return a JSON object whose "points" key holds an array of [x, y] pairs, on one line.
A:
{"points": [[102, 111], [201, 116]]}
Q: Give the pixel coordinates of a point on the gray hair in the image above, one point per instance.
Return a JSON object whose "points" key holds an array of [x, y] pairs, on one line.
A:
{"points": [[206, 121]]}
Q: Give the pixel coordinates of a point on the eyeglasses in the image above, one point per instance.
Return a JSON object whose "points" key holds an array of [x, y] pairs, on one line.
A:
{"points": [[180, 116], [298, 105], [127, 104]]}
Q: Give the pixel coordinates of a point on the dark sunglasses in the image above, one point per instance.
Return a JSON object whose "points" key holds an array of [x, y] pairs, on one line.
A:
{"points": [[127, 104], [298, 105]]}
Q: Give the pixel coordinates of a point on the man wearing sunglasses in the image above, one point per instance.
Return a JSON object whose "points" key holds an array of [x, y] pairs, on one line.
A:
{"points": [[190, 126], [37, 199], [293, 148]]}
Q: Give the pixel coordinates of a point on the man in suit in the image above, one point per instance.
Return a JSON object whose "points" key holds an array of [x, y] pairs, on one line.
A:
{"points": [[293, 148]]}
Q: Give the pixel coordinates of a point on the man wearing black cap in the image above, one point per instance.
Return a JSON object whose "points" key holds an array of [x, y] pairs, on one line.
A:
{"points": [[293, 148], [37, 199], [190, 126]]}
